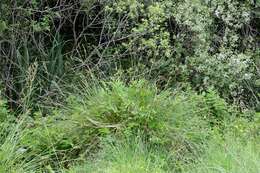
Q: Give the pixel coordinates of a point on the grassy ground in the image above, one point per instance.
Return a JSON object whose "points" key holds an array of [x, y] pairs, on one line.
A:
{"points": [[229, 156], [219, 156]]}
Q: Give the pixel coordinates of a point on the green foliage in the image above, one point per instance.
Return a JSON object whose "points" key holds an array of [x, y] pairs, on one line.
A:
{"points": [[13, 156], [177, 124], [246, 128], [3, 27], [3, 110], [229, 156], [199, 42], [127, 156], [125, 110], [36, 75], [203, 43], [54, 140], [116, 107], [198, 57], [6, 119], [219, 112], [111, 109]]}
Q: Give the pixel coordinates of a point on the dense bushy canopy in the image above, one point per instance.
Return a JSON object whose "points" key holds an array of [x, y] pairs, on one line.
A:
{"points": [[202, 43]]}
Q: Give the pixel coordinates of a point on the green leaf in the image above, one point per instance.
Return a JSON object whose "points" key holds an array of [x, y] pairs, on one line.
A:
{"points": [[3, 26], [257, 83]]}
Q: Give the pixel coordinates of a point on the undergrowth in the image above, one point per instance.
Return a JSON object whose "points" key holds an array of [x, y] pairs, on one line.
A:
{"points": [[129, 127], [129, 86]]}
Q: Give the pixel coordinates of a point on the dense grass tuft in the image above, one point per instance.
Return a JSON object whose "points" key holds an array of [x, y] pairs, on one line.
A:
{"points": [[228, 156]]}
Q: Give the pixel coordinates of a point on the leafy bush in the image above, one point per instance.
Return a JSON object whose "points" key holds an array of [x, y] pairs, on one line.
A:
{"points": [[200, 42], [203, 43]]}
